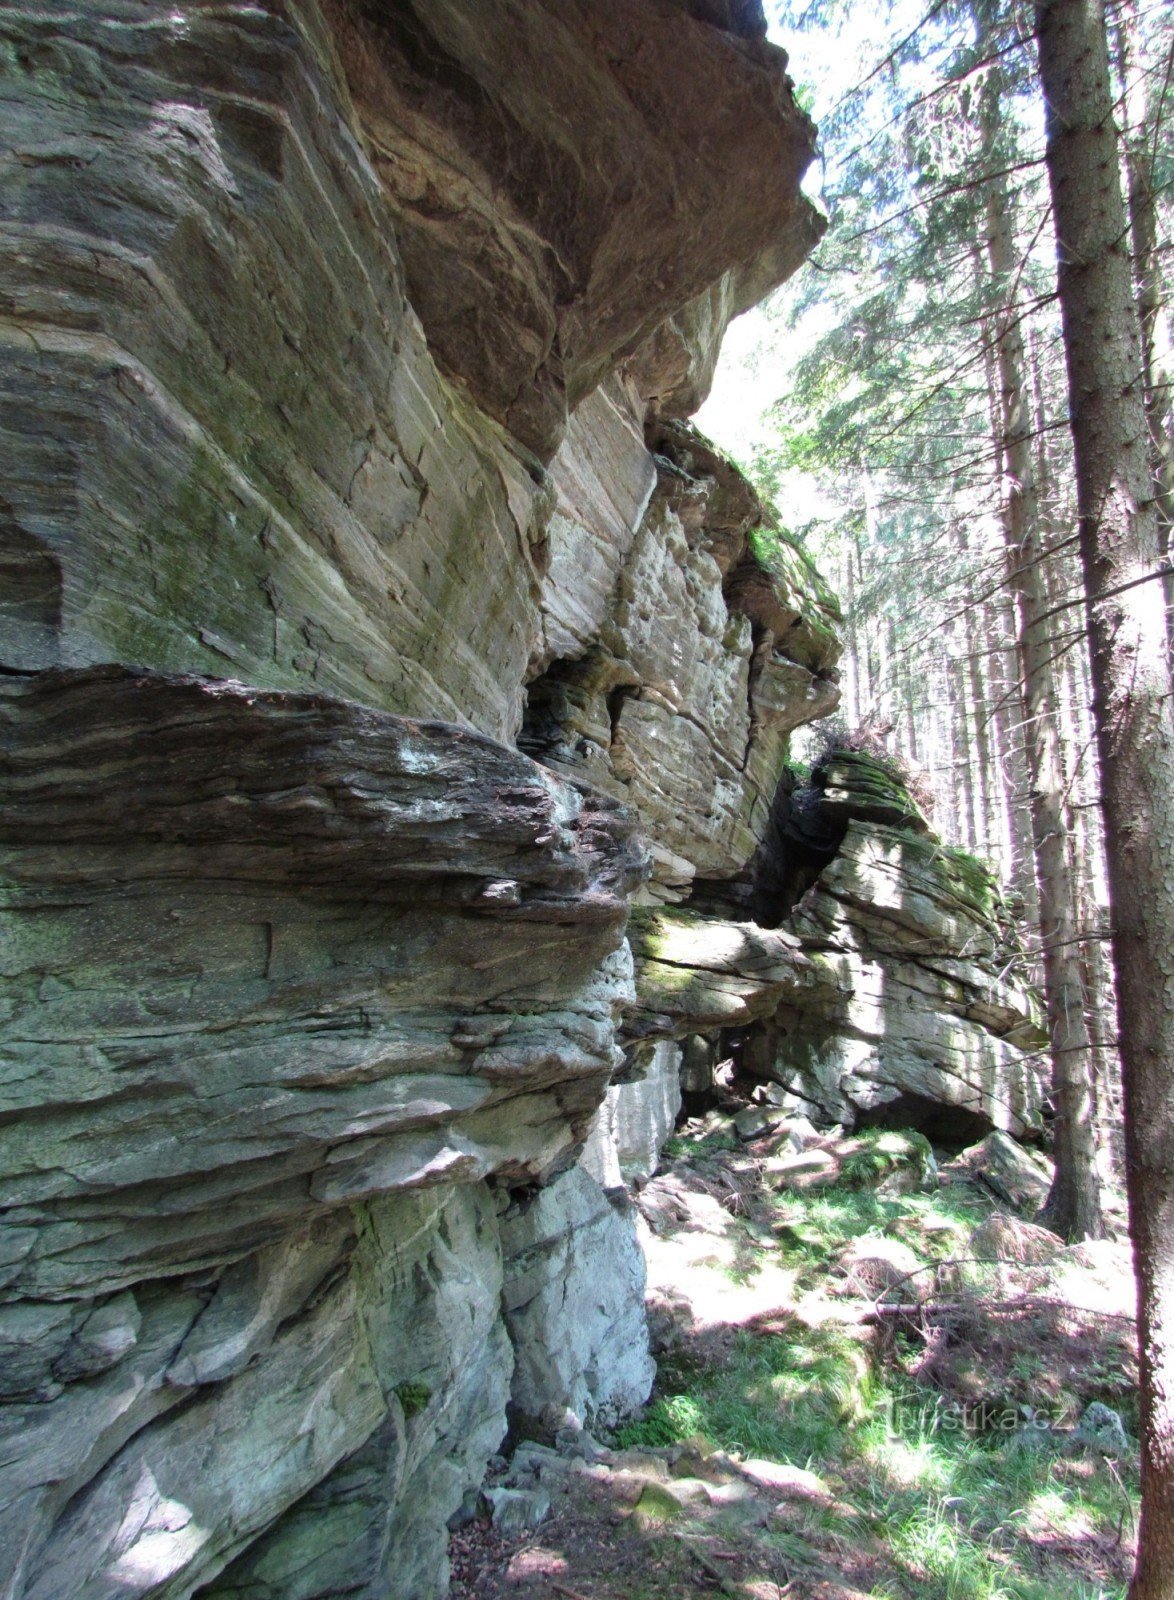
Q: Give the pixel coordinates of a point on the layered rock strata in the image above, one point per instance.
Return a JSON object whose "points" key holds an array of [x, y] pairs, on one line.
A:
{"points": [[564, 173], [331, 335], [689, 638], [922, 1022], [373, 633]]}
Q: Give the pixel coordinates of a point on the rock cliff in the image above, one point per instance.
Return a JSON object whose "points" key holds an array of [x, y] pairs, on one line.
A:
{"points": [[374, 633]]}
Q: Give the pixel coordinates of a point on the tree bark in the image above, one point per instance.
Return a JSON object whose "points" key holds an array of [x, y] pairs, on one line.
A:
{"points": [[1073, 1206], [1131, 698], [962, 740], [1143, 229]]}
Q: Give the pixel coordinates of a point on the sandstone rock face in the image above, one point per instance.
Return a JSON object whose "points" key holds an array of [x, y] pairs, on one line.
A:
{"points": [[309, 980], [230, 450], [546, 162], [681, 650], [639, 1114], [921, 1023], [352, 1361], [574, 1303], [339, 998], [345, 348], [288, 1001]]}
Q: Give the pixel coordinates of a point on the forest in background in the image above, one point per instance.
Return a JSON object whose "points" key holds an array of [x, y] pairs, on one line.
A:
{"points": [[968, 421], [915, 389]]}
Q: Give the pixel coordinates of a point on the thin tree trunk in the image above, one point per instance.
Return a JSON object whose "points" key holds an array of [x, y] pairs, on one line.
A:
{"points": [[852, 653], [1131, 705], [912, 710], [865, 688], [963, 744], [1020, 868], [978, 667], [1073, 1206], [1002, 632], [1143, 228]]}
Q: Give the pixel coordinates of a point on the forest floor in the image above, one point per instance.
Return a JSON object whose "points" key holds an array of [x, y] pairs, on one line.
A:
{"points": [[869, 1386]]}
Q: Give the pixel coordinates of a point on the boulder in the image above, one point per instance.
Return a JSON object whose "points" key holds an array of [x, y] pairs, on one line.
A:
{"points": [[1013, 1174], [922, 1025], [1101, 1429], [514, 1510], [698, 972]]}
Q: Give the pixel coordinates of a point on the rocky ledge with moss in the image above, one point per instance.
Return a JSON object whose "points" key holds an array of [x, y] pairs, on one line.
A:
{"points": [[925, 1023]]}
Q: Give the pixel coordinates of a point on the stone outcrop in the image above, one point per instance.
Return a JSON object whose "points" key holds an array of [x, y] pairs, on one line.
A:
{"points": [[284, 1047], [562, 175], [374, 633], [697, 974], [343, 351], [858, 962], [574, 1303], [921, 1023], [689, 638], [637, 1117]]}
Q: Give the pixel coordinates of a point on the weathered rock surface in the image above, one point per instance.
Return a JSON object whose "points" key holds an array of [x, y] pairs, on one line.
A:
{"points": [[1012, 1174], [228, 447], [339, 997], [545, 164], [345, 351], [698, 974], [149, 1481], [636, 1118], [921, 1024], [575, 1245], [681, 649], [226, 1027], [296, 300]]}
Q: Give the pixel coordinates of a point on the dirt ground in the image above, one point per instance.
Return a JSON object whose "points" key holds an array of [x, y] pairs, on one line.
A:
{"points": [[652, 1521]]}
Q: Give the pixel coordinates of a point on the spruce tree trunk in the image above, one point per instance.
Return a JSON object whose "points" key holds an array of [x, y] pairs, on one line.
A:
{"points": [[1012, 767], [911, 708], [1143, 228], [1073, 1207], [1131, 704], [1001, 635], [962, 739]]}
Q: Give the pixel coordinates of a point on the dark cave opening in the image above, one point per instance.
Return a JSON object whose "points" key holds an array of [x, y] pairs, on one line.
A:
{"points": [[950, 1128], [802, 838]]}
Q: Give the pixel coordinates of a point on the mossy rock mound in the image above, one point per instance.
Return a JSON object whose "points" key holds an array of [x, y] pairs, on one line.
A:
{"points": [[858, 787]]}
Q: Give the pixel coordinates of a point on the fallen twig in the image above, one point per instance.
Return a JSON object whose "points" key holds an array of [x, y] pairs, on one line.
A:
{"points": [[710, 1567], [940, 1308]]}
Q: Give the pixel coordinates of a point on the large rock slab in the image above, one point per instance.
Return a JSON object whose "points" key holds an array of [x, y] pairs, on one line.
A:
{"points": [[545, 163], [338, 995], [637, 1117], [228, 448], [376, 1525], [924, 1025], [361, 1379], [699, 974]]}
